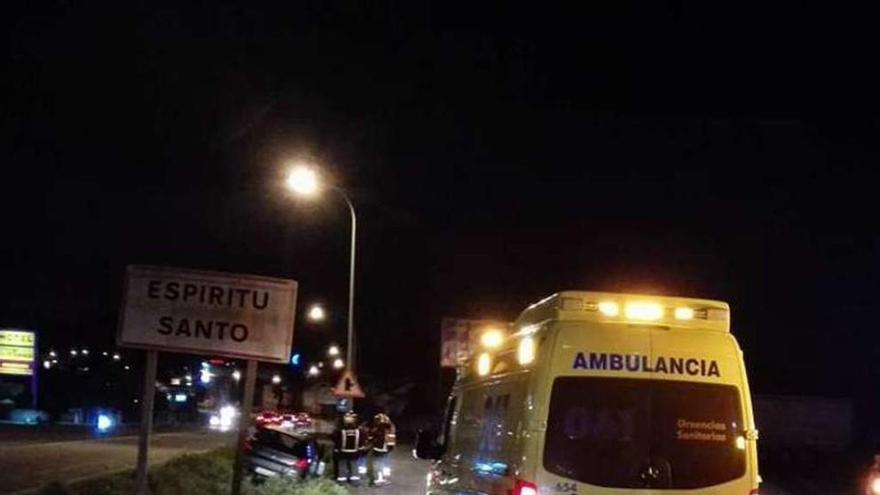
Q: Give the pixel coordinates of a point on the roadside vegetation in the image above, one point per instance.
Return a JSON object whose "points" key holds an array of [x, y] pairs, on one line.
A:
{"points": [[207, 474]]}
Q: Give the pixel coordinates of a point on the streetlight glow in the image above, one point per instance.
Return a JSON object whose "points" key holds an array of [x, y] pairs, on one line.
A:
{"points": [[317, 313], [314, 371], [236, 375], [333, 351], [276, 379], [302, 180], [338, 364]]}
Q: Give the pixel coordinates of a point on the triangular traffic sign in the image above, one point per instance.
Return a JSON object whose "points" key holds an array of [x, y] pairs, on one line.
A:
{"points": [[348, 386]]}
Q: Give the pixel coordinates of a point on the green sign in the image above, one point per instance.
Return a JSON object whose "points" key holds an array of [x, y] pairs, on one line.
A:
{"points": [[17, 338], [17, 352], [9, 353]]}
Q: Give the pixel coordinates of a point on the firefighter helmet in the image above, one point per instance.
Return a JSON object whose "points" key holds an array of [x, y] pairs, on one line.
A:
{"points": [[349, 419]]}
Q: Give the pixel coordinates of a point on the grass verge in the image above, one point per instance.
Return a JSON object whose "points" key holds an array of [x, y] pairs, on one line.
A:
{"points": [[208, 474]]}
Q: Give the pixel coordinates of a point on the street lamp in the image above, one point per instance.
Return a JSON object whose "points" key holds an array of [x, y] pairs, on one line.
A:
{"points": [[333, 351], [314, 371], [338, 364], [304, 181], [276, 379], [317, 313]]}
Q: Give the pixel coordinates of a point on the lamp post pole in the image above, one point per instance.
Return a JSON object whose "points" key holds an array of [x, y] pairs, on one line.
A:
{"points": [[349, 349], [305, 182]]}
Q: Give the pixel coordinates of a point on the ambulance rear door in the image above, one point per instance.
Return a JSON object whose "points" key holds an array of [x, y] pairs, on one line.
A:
{"points": [[595, 408]]}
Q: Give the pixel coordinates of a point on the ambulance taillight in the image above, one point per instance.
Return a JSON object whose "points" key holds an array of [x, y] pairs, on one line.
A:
{"points": [[523, 487]]}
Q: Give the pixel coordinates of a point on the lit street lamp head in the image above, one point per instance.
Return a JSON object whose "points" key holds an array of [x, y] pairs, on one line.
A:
{"points": [[303, 181], [316, 313]]}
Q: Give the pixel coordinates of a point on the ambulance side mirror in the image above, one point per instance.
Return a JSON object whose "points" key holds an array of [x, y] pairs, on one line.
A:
{"points": [[427, 447]]}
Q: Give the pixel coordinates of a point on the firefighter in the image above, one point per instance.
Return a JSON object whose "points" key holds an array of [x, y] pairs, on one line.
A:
{"points": [[382, 439], [349, 445]]}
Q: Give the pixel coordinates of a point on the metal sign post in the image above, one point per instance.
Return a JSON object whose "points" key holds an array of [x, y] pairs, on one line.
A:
{"points": [[146, 423], [244, 421]]}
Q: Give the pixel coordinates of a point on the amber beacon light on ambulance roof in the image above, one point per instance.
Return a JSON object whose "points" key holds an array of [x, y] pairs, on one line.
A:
{"points": [[632, 308]]}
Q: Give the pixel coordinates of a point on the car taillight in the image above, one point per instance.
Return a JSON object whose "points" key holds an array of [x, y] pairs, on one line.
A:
{"points": [[525, 488]]}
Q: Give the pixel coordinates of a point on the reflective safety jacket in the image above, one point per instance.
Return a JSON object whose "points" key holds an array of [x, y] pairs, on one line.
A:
{"points": [[349, 440], [383, 438]]}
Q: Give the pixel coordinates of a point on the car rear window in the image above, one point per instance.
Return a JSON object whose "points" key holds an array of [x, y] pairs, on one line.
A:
{"points": [[630, 433], [283, 442]]}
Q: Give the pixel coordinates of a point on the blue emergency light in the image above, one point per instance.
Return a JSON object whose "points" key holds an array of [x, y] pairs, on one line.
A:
{"points": [[104, 423]]}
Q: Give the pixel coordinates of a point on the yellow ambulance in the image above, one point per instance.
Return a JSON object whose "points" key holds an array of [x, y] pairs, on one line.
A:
{"points": [[601, 394]]}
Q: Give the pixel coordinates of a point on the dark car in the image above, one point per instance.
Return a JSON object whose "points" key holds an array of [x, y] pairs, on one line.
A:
{"points": [[271, 452]]}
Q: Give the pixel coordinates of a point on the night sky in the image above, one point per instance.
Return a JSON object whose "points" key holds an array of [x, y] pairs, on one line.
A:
{"points": [[495, 153]]}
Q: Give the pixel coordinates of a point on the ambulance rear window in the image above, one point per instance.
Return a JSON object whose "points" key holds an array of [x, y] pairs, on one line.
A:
{"points": [[628, 433]]}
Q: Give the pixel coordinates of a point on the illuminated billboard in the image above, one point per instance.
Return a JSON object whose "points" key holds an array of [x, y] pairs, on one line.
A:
{"points": [[17, 352]]}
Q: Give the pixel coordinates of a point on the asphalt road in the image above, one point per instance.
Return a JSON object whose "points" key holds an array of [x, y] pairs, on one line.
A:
{"points": [[407, 476], [409, 479], [28, 466]]}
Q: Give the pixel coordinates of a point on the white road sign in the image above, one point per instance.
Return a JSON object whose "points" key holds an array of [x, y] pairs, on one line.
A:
{"points": [[242, 316]]}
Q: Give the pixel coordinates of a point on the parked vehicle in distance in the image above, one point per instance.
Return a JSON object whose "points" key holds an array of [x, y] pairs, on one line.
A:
{"points": [[287, 420], [302, 420], [268, 418], [273, 452]]}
